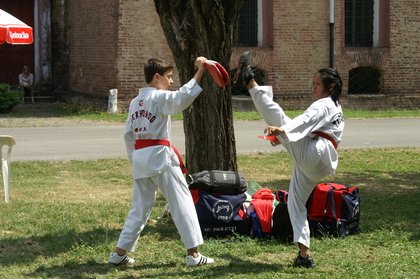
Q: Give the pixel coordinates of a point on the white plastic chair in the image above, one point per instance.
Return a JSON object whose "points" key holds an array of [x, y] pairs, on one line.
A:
{"points": [[8, 142]]}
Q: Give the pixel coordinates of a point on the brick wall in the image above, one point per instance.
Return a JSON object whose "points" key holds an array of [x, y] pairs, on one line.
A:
{"points": [[300, 44], [91, 27], [107, 49], [140, 38], [403, 74]]}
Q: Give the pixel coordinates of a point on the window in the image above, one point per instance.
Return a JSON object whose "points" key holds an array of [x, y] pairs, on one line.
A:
{"points": [[364, 80], [248, 24], [366, 23], [359, 23], [255, 24]]}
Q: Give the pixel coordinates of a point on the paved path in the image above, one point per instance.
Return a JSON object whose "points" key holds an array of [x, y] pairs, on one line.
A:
{"points": [[106, 141]]}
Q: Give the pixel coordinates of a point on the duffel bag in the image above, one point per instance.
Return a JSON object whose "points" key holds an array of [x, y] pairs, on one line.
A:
{"points": [[220, 215], [334, 209], [216, 181]]}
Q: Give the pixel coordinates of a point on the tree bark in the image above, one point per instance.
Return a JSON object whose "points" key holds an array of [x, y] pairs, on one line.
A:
{"points": [[204, 28]]}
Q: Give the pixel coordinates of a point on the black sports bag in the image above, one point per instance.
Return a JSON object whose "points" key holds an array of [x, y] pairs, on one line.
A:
{"points": [[216, 181], [221, 215]]}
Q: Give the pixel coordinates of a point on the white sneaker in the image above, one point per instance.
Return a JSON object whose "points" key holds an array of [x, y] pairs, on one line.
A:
{"points": [[200, 260], [116, 260]]}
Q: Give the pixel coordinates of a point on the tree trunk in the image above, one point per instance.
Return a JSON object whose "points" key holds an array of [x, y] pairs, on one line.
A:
{"points": [[204, 28]]}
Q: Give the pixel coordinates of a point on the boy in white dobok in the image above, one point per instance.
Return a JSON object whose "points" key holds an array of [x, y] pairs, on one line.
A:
{"points": [[156, 164], [311, 139]]}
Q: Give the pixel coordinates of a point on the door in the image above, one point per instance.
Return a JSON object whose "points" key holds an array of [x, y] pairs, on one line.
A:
{"points": [[14, 57]]}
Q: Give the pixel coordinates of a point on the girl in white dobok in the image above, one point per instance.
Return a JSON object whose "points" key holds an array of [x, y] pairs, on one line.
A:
{"points": [[311, 139]]}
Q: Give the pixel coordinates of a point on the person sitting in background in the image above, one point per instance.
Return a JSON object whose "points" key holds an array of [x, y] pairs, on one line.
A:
{"points": [[26, 81]]}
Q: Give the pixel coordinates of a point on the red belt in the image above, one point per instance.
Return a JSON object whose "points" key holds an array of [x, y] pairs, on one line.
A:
{"points": [[143, 143], [325, 136]]}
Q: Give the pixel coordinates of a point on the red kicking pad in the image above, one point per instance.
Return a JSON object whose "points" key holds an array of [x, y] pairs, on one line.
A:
{"points": [[270, 138], [217, 72]]}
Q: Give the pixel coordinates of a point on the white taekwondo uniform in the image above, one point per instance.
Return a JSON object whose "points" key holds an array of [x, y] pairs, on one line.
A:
{"points": [[314, 157], [157, 166]]}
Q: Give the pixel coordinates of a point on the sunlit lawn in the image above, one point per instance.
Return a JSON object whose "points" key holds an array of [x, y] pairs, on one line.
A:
{"points": [[64, 218]]}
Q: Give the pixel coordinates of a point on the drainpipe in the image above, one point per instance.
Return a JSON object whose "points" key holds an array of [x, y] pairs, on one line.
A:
{"points": [[332, 33]]}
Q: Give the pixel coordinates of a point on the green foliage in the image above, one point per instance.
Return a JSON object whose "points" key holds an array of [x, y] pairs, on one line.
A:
{"points": [[65, 217], [79, 112], [8, 98]]}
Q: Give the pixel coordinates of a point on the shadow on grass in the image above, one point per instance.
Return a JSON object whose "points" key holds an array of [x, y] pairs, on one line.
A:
{"points": [[236, 266], [72, 269], [24, 250], [389, 200]]}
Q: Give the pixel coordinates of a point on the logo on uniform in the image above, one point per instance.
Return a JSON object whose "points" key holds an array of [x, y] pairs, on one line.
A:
{"points": [[337, 119], [141, 103]]}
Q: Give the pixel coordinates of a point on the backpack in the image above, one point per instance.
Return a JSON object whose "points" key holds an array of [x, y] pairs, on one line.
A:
{"points": [[216, 181], [220, 215], [282, 227], [334, 209]]}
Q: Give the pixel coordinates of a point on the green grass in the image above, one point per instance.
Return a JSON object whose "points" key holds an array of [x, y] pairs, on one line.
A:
{"points": [[79, 113], [64, 218], [253, 115]]}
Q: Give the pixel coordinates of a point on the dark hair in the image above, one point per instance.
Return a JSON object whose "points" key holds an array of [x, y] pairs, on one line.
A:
{"points": [[330, 77], [156, 65]]}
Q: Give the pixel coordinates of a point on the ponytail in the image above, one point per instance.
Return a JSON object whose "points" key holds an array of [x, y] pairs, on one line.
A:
{"points": [[332, 81]]}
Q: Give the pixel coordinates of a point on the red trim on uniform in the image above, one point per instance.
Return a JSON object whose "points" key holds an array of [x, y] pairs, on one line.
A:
{"points": [[325, 136], [143, 143]]}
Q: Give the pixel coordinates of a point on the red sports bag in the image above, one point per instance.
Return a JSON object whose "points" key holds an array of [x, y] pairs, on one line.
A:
{"points": [[334, 209]]}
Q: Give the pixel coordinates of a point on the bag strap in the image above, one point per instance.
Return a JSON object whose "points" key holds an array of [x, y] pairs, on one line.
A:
{"points": [[238, 178], [211, 176], [332, 202], [281, 196]]}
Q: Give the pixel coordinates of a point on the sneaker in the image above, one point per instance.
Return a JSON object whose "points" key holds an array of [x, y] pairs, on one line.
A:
{"points": [[244, 74], [117, 260], [307, 262], [200, 260]]}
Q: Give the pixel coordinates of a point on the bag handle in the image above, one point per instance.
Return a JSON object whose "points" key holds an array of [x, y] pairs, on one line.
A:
{"points": [[189, 178], [212, 179]]}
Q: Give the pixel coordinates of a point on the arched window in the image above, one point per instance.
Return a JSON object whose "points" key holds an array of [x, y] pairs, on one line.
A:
{"points": [[365, 80]]}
